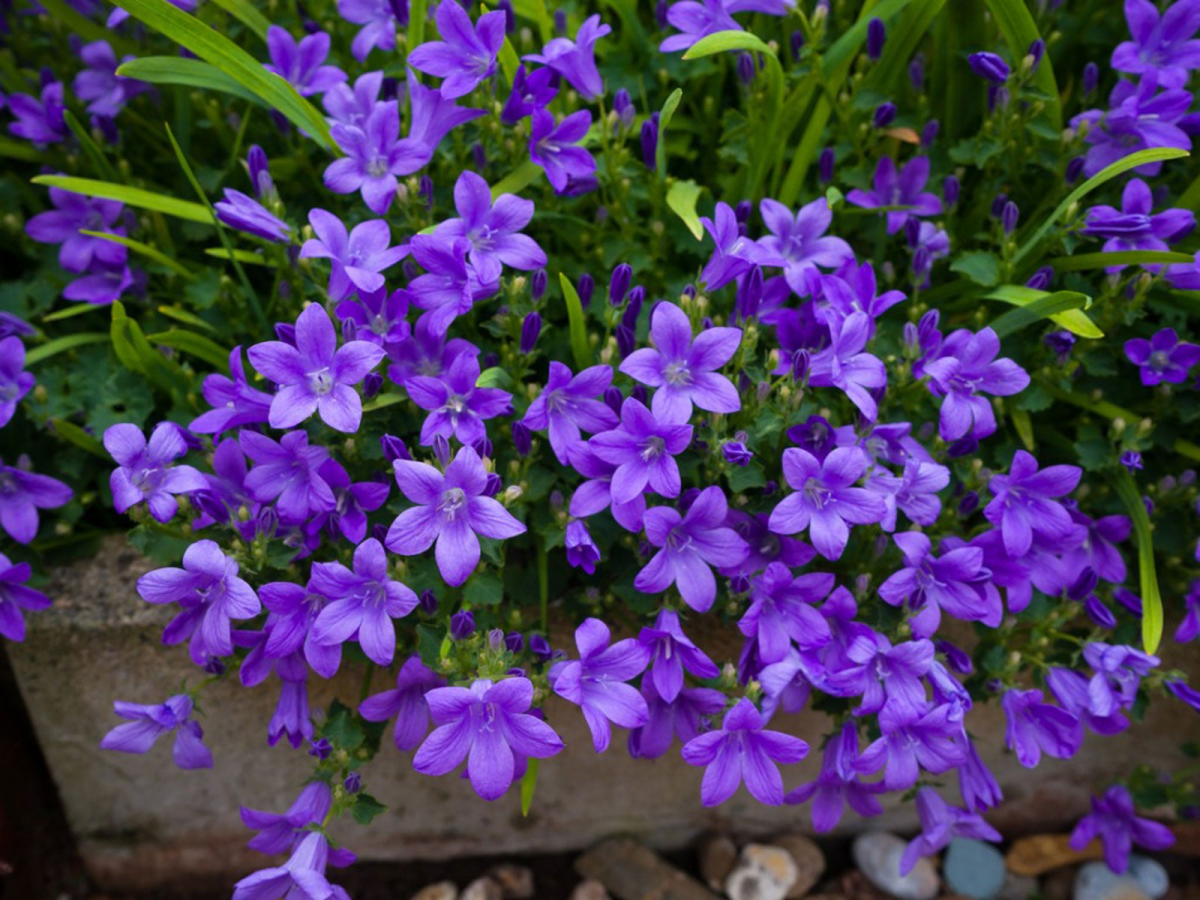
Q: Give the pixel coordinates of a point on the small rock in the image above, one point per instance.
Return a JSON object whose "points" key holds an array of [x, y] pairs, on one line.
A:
{"points": [[1150, 876], [589, 890], [630, 871], [516, 882], [1017, 887], [443, 890], [809, 860], [1060, 884], [973, 869], [717, 854], [1096, 881], [482, 889], [763, 872], [1041, 853], [877, 855]]}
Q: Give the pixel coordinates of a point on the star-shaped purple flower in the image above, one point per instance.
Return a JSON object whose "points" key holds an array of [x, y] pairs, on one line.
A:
{"points": [[575, 60], [956, 582], [644, 451], [904, 188], [1114, 820], [148, 723], [1162, 358], [672, 652], [553, 147], [466, 55], [941, 823], [1162, 43], [567, 406], [406, 702], [492, 227], [1023, 503], [15, 597], [300, 64], [965, 368], [1134, 226], [22, 494], [798, 243], [358, 258], [144, 472], [1035, 727], [838, 784], [456, 407], [290, 471]]}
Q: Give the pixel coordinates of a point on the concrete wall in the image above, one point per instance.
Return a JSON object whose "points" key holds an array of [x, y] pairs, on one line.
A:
{"points": [[139, 820]]}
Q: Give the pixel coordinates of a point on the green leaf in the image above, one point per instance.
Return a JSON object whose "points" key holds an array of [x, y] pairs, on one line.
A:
{"points": [[484, 589], [529, 785], [681, 198], [664, 119], [744, 477], [143, 249], [182, 315], [534, 10], [186, 72], [137, 354], [1053, 304], [579, 342], [70, 312], [723, 42], [342, 729], [250, 257], [366, 808], [64, 343], [1020, 31], [1024, 426], [95, 155], [231, 59], [246, 13], [1152, 612], [1154, 154], [24, 150], [180, 209], [1082, 262], [73, 434], [902, 41], [1073, 320], [72, 20], [196, 344], [417, 17], [495, 377], [981, 267], [518, 179]]}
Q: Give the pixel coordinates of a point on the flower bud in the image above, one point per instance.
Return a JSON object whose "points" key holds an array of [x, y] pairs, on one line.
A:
{"points": [[530, 329], [825, 165], [441, 449], [428, 602], [522, 438], [746, 69], [885, 114], [537, 284], [951, 189], [989, 67], [462, 625], [1008, 218], [618, 285], [650, 144], [585, 287], [876, 35], [1091, 78]]}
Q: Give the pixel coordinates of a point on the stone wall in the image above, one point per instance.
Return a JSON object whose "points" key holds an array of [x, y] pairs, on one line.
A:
{"points": [[139, 820]]}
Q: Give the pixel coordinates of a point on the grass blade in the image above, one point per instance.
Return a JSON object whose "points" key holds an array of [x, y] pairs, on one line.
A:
{"points": [[130, 196]]}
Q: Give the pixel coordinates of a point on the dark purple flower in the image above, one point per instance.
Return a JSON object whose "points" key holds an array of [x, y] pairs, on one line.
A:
{"points": [[1035, 727], [1114, 821], [687, 715], [302, 877], [529, 92], [781, 612], [553, 147], [279, 832], [736, 453], [246, 214], [456, 407], [358, 257], [1162, 358], [582, 551], [989, 67], [846, 365], [466, 55], [492, 227], [912, 742], [105, 92], [288, 470], [1162, 43], [16, 596], [22, 494], [838, 784], [15, 382], [1134, 227], [941, 823], [904, 188], [450, 287], [1138, 118], [575, 60], [876, 35], [300, 64], [234, 401], [148, 723], [1119, 672], [734, 254], [1070, 689], [143, 469], [39, 120]]}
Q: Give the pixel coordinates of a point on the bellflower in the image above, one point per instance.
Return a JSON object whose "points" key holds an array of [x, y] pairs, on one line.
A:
{"points": [[567, 406], [575, 60], [941, 823], [798, 243], [965, 368], [16, 596], [1138, 118], [378, 21], [838, 784], [989, 67], [431, 118], [456, 407], [957, 582], [466, 55], [143, 469], [64, 225], [742, 750], [671, 652], [553, 147], [1134, 226], [690, 544], [596, 681], [683, 370], [582, 551], [1163, 44], [976, 784], [148, 723], [1119, 671], [22, 494], [39, 119], [379, 317], [348, 518], [594, 495], [486, 724], [904, 188], [246, 214], [278, 832], [914, 493], [781, 611], [687, 715], [1035, 727], [300, 64], [852, 289], [234, 401], [1023, 504], [1162, 358], [912, 742], [844, 364], [734, 254], [406, 702], [1114, 821], [700, 19], [357, 258], [824, 501], [375, 157], [288, 471], [765, 546], [451, 509], [885, 676], [302, 877], [352, 106], [1189, 625], [644, 451], [450, 287], [492, 227], [530, 91], [1070, 689], [106, 92], [15, 382]]}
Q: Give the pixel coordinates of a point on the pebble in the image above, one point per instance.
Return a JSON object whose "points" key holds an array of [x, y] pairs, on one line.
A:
{"points": [[482, 889], [1041, 853], [877, 855], [718, 855], [589, 890], [1059, 884], [1150, 876], [1018, 887], [1096, 881], [443, 890], [763, 872], [516, 882], [809, 860], [973, 869]]}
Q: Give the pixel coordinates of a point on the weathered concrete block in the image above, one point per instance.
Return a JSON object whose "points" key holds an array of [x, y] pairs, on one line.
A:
{"points": [[139, 820]]}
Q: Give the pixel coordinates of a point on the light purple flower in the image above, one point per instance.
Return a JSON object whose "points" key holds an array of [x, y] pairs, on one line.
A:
{"points": [[485, 724], [352, 106], [302, 877], [734, 254], [910, 743], [466, 55], [1035, 727], [798, 243], [143, 469], [844, 364], [575, 60], [16, 596], [293, 609], [686, 716], [1023, 504], [941, 823], [1119, 671], [105, 92], [148, 723], [234, 401], [1163, 44], [22, 494], [244, 213], [838, 784], [644, 451], [700, 19], [15, 382], [1071, 690], [378, 21], [781, 612], [966, 367], [1114, 820], [406, 702], [288, 470], [567, 406], [1162, 358], [492, 228], [456, 407], [39, 120], [451, 509], [358, 258], [904, 188], [956, 582], [742, 750], [672, 652], [1134, 226], [72, 215], [300, 64], [915, 492], [684, 371], [279, 832], [1138, 118], [596, 682], [553, 147], [450, 287], [375, 157], [118, 15], [885, 676], [594, 495]]}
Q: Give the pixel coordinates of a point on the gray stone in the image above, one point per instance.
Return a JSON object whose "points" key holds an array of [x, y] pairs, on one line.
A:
{"points": [[1018, 887], [482, 889], [973, 869], [763, 872], [516, 882], [717, 855], [589, 890], [630, 871], [1150, 875], [443, 890], [1096, 881], [809, 860], [877, 855]]}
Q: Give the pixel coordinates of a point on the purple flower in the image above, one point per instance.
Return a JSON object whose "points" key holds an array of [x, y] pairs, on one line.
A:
{"points": [[1023, 503], [352, 106], [844, 364], [72, 215], [941, 823], [118, 15], [1035, 727], [904, 188], [1162, 358], [912, 742], [966, 366], [450, 509], [290, 471], [1138, 118], [553, 147], [22, 494], [989, 67], [451, 285], [798, 244], [690, 544], [582, 551], [734, 254], [15, 383], [244, 213], [1189, 625], [293, 609], [406, 702], [16, 596], [741, 750], [301, 64], [529, 92], [106, 92], [914, 492], [596, 681], [484, 724], [1119, 671], [492, 228], [671, 653], [358, 258], [1134, 227], [976, 784], [1070, 689], [378, 20], [684, 371], [1162, 44], [466, 55], [700, 19], [375, 157], [824, 501], [957, 582], [575, 60], [838, 784], [781, 612], [278, 832], [379, 317], [234, 402], [567, 405], [39, 120], [144, 471], [1118, 826], [885, 676], [365, 605], [302, 877], [685, 717], [643, 450], [594, 495], [148, 723], [457, 408]]}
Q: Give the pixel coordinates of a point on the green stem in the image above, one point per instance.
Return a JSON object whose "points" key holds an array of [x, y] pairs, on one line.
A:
{"points": [[1112, 411]]}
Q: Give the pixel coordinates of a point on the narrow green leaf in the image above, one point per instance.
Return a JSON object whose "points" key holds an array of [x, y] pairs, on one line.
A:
{"points": [[579, 342], [186, 72], [72, 20], [137, 354], [1074, 320], [529, 785], [1082, 262], [1045, 307], [724, 41], [103, 168], [11, 149], [131, 196], [70, 312], [246, 13], [64, 343], [196, 344], [664, 119], [418, 14], [517, 180], [1020, 31], [1152, 612], [182, 315], [143, 249], [231, 59], [241, 255], [73, 434], [681, 198], [534, 10], [1154, 154], [1024, 426]]}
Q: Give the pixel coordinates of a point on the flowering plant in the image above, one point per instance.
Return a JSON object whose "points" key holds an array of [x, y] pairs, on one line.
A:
{"points": [[809, 335]]}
